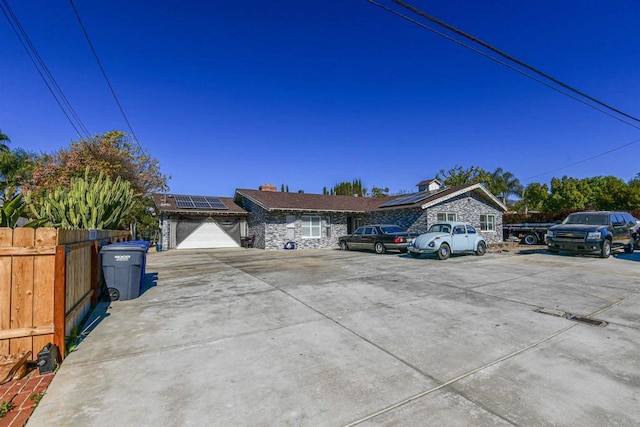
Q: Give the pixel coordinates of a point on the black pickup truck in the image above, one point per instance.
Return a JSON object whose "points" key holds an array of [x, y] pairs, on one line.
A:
{"points": [[594, 232]]}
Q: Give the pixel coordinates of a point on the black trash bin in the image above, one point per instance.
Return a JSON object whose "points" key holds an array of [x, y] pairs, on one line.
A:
{"points": [[123, 269]]}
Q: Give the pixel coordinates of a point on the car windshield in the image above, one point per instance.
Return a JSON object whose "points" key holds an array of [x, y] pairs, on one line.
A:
{"points": [[440, 228], [586, 219], [388, 229]]}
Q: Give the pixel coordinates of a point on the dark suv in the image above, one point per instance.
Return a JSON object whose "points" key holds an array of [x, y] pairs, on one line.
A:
{"points": [[593, 232]]}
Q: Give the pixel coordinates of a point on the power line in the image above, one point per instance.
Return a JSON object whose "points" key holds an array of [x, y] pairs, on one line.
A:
{"points": [[503, 63], [511, 58], [44, 72], [584, 160], [514, 68], [104, 74], [480, 52]]}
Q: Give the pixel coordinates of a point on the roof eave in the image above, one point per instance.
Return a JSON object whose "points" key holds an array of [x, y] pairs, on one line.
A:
{"points": [[477, 186]]}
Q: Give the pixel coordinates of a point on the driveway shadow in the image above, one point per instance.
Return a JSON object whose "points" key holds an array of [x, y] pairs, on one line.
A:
{"points": [[150, 281]]}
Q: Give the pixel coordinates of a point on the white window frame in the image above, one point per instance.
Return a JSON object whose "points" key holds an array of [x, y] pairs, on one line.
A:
{"points": [[447, 216], [310, 229], [487, 222]]}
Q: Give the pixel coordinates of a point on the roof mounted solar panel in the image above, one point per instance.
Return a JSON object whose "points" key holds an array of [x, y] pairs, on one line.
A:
{"points": [[407, 199], [199, 202], [216, 203], [184, 202]]}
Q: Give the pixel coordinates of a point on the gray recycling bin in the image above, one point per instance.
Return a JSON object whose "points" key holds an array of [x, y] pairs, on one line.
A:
{"points": [[122, 268]]}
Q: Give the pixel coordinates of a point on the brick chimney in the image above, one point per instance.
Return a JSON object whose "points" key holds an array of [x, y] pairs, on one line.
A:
{"points": [[267, 187]]}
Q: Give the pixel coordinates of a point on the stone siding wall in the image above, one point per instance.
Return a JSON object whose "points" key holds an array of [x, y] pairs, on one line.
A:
{"points": [[331, 227], [255, 222], [468, 208], [412, 220]]}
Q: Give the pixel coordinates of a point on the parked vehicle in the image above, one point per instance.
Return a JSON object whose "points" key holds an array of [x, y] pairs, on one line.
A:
{"points": [[529, 234], [377, 237], [445, 238], [594, 232]]}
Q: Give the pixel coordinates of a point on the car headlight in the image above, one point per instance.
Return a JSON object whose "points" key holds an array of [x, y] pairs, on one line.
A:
{"points": [[594, 235], [550, 234]]}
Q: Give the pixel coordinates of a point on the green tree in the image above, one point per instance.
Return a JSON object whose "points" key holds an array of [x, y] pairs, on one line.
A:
{"points": [[568, 193], [353, 188], [608, 193], [460, 176], [15, 171], [504, 184], [535, 196], [379, 192], [3, 142]]}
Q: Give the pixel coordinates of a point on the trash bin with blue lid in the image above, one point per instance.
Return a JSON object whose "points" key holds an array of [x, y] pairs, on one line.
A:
{"points": [[123, 269]]}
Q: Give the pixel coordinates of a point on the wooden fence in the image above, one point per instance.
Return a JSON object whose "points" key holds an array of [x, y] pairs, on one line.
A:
{"points": [[48, 283]]}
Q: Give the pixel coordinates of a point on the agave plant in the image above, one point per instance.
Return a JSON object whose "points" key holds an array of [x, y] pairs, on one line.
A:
{"points": [[11, 211]]}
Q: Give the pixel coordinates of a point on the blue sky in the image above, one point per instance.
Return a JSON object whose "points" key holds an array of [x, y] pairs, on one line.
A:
{"points": [[310, 93]]}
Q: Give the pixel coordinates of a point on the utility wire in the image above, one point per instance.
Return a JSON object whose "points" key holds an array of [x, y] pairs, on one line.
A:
{"points": [[608, 113], [511, 58], [104, 74], [44, 72], [584, 160], [503, 63]]}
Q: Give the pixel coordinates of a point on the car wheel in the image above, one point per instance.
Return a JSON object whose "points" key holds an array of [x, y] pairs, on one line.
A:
{"points": [[415, 254], [530, 239], [343, 246], [444, 252], [482, 249], [606, 249], [629, 248], [379, 247]]}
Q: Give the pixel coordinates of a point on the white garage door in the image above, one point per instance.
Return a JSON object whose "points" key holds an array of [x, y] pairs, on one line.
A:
{"points": [[208, 235]]}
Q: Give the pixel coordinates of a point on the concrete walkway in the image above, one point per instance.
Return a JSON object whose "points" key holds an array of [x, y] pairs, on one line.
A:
{"points": [[244, 337]]}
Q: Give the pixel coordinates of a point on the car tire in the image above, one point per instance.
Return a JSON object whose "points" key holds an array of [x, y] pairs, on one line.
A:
{"points": [[444, 251], [415, 254], [606, 249], [530, 239], [629, 248], [343, 246], [379, 248], [481, 249]]}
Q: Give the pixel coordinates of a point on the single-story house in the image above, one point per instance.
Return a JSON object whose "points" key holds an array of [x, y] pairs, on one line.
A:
{"points": [[279, 219]]}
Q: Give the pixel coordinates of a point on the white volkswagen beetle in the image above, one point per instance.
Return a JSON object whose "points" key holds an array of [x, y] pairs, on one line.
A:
{"points": [[445, 238]]}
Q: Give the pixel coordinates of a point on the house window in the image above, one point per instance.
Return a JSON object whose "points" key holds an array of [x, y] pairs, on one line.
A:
{"points": [[447, 216], [310, 227], [291, 227], [487, 223]]}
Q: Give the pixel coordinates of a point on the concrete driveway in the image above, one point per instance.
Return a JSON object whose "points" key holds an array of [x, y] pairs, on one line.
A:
{"points": [[329, 338]]}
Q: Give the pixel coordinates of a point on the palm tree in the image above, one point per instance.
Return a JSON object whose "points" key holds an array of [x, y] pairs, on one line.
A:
{"points": [[506, 184], [4, 138]]}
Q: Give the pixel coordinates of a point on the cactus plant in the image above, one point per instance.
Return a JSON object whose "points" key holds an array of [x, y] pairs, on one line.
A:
{"points": [[88, 203]]}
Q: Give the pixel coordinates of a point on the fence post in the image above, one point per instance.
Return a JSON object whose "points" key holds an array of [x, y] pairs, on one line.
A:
{"points": [[59, 299], [95, 274]]}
